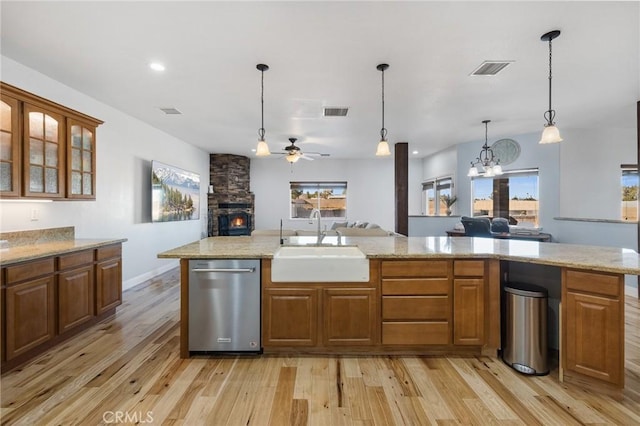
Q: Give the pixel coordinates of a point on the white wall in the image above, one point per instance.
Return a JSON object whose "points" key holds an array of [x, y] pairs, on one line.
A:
{"points": [[124, 149], [591, 186], [370, 189]]}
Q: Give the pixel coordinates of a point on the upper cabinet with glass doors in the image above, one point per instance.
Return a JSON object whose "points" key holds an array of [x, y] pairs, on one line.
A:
{"points": [[9, 147], [47, 151]]}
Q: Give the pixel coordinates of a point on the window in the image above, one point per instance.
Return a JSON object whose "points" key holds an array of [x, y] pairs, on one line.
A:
{"points": [[629, 185], [328, 197], [434, 195], [512, 195]]}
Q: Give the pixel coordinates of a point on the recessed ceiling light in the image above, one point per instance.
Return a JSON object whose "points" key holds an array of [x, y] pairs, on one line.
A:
{"points": [[156, 66], [414, 152]]}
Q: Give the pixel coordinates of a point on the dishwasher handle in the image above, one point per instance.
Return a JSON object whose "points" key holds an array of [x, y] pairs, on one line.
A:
{"points": [[226, 270]]}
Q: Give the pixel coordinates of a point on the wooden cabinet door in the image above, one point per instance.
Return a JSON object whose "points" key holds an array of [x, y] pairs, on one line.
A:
{"points": [[468, 311], [30, 315], [350, 316], [290, 317], [9, 147], [108, 285], [43, 148], [81, 160], [594, 345], [75, 298]]}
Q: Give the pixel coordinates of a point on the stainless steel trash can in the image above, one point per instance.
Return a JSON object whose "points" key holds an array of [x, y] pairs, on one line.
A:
{"points": [[525, 339]]}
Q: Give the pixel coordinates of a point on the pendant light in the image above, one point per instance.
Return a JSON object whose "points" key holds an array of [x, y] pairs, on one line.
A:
{"points": [[262, 149], [487, 160], [551, 134], [383, 145]]}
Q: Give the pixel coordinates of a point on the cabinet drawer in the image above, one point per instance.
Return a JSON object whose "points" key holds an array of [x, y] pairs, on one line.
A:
{"points": [[468, 268], [108, 252], [415, 268], [75, 259], [415, 333], [25, 271], [416, 308], [416, 286], [593, 282]]}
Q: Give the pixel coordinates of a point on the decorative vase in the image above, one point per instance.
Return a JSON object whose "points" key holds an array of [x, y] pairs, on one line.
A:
{"points": [[448, 212]]}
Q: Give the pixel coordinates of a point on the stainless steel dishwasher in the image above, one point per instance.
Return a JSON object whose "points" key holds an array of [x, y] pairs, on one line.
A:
{"points": [[224, 305]]}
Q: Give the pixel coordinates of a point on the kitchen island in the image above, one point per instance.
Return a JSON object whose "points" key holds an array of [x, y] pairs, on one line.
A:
{"points": [[434, 295]]}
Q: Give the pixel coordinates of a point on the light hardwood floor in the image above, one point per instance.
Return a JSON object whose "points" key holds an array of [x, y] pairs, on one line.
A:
{"points": [[128, 369]]}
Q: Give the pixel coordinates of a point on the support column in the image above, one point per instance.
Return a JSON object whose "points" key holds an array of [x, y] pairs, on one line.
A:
{"points": [[402, 187]]}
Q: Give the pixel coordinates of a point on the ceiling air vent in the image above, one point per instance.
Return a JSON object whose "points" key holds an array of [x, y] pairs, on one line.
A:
{"points": [[491, 67], [170, 111], [335, 111]]}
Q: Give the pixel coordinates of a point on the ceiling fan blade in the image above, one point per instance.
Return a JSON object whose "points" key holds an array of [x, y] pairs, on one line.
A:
{"points": [[306, 157]]}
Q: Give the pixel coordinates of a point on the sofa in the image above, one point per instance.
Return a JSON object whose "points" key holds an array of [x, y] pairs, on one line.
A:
{"points": [[357, 229]]}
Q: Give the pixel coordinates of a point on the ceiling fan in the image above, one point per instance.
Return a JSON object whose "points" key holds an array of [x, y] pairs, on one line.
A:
{"points": [[293, 153]]}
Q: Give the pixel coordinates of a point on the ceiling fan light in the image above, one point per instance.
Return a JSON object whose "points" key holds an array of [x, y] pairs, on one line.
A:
{"points": [[550, 134], [383, 149], [263, 149], [292, 158]]}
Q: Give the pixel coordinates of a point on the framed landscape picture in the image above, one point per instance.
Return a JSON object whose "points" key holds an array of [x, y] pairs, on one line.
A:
{"points": [[175, 193]]}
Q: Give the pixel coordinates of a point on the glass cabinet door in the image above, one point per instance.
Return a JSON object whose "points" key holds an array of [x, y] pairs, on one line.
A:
{"points": [[81, 160], [43, 153], [9, 147]]}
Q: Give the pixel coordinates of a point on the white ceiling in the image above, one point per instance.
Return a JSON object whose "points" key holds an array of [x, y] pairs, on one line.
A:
{"points": [[325, 54]]}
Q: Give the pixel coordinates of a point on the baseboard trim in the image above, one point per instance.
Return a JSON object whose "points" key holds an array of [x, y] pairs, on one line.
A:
{"points": [[132, 282]]}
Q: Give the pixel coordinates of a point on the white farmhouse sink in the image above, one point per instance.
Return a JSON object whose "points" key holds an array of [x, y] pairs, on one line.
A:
{"points": [[319, 264]]}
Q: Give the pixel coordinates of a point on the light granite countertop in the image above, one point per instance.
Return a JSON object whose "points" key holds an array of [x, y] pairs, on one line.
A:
{"points": [[606, 259], [39, 250]]}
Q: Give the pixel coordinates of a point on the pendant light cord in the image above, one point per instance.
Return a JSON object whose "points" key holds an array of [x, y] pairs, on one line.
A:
{"points": [[383, 131], [550, 75], [261, 130]]}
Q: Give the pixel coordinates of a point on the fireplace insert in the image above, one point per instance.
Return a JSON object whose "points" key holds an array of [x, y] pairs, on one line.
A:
{"points": [[233, 224]]}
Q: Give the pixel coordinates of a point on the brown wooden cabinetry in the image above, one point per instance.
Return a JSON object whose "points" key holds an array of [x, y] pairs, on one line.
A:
{"points": [[29, 306], [108, 278], [10, 142], [349, 316], [468, 302], [416, 303], [319, 315], [290, 317], [75, 290], [43, 152], [592, 326], [48, 150], [47, 300]]}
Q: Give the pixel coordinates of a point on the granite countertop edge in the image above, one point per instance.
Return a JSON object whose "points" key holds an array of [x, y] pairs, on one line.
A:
{"points": [[18, 254], [594, 258]]}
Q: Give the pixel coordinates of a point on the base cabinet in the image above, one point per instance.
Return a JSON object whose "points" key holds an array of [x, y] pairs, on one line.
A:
{"points": [[349, 316], [416, 302], [593, 334], [47, 300], [290, 317], [318, 316], [75, 298], [30, 315], [468, 302], [108, 278]]}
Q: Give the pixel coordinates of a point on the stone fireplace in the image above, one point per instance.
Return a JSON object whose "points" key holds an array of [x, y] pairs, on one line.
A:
{"points": [[231, 205]]}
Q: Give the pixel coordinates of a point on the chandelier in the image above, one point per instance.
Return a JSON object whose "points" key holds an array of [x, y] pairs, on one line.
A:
{"points": [[487, 160]]}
